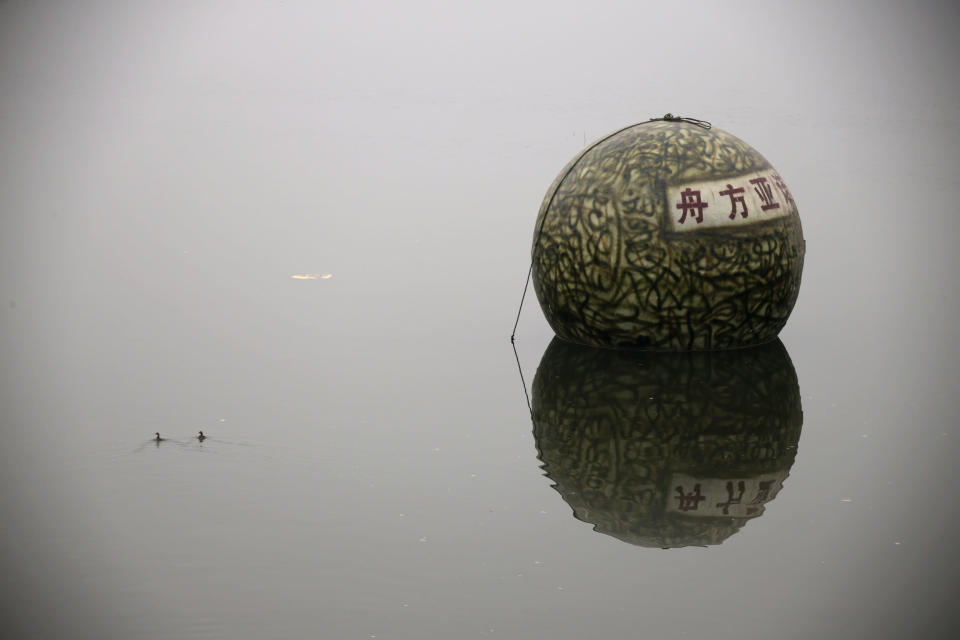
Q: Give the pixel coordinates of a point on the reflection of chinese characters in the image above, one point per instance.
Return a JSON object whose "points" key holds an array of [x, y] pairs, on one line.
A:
{"points": [[689, 501], [763, 494], [712, 497], [690, 201], [741, 487]]}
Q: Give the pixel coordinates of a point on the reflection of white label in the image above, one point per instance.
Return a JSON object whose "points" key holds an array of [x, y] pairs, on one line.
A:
{"points": [[752, 197], [730, 497]]}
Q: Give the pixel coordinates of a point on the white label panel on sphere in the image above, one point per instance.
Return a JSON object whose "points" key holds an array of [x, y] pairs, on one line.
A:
{"points": [[727, 497], [746, 199]]}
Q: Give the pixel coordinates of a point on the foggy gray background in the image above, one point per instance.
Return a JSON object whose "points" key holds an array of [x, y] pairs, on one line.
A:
{"points": [[165, 167]]}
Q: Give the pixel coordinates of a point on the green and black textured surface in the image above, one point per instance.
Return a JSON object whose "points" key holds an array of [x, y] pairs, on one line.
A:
{"points": [[609, 271], [614, 428]]}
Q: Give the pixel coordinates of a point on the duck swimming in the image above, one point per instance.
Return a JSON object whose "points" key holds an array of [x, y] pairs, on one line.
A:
{"points": [[201, 437], [158, 438]]}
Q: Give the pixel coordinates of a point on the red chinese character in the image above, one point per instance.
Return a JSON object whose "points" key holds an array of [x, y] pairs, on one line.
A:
{"points": [[734, 199], [689, 501], [781, 185], [690, 200], [741, 487], [763, 494], [765, 191]]}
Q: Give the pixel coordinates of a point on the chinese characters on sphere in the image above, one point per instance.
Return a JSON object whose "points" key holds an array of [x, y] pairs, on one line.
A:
{"points": [[739, 200]]}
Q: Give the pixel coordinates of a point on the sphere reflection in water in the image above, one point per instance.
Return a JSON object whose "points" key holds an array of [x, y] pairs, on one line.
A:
{"points": [[666, 449]]}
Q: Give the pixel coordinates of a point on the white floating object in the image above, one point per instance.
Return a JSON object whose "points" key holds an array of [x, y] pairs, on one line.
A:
{"points": [[312, 276]]}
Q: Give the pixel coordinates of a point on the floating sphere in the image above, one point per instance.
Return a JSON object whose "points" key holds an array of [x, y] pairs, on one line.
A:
{"points": [[666, 449], [668, 235]]}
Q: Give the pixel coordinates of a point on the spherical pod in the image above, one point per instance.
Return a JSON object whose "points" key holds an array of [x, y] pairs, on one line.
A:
{"points": [[666, 449], [668, 235]]}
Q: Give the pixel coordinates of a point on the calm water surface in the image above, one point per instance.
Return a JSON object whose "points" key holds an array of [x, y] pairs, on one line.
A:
{"points": [[372, 466]]}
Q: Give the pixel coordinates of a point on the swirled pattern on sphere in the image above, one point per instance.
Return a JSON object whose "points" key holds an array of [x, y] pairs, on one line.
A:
{"points": [[620, 432], [620, 260]]}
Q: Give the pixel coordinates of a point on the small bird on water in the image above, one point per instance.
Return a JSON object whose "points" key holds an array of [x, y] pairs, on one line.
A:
{"points": [[201, 437], [158, 438]]}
